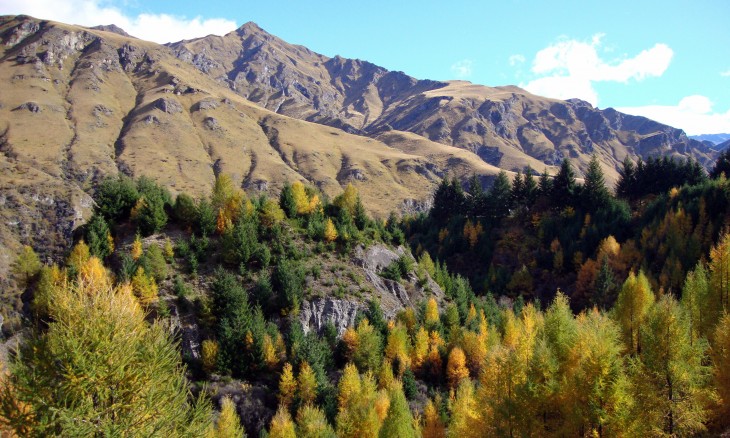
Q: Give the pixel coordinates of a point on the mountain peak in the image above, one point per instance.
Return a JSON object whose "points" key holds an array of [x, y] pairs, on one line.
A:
{"points": [[250, 28], [111, 28]]}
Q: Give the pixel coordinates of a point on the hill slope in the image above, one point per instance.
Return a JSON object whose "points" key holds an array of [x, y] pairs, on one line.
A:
{"points": [[82, 103]]}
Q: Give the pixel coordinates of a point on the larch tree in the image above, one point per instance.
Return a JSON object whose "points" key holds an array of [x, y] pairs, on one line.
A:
{"points": [[721, 368], [671, 379], [229, 423], [287, 386], [312, 423], [399, 421], [100, 370], [466, 418], [719, 278], [456, 369], [282, 425], [633, 302], [307, 384], [27, 265]]}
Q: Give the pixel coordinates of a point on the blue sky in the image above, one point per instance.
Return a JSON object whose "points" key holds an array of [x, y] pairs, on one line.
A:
{"points": [[666, 60]]}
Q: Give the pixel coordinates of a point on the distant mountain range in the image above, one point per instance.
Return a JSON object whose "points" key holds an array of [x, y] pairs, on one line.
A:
{"points": [[79, 104], [714, 139]]}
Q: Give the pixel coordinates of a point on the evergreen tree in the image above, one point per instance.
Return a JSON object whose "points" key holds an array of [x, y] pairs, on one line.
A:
{"points": [[100, 239], [545, 185], [594, 193], [518, 190], [605, 285], [115, 197], [564, 186], [449, 200], [626, 185], [531, 188], [499, 197], [722, 165], [185, 210]]}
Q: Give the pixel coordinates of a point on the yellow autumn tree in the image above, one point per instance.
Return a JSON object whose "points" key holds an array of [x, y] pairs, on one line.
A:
{"points": [[144, 287], [456, 369], [347, 200], [79, 255], [93, 271], [432, 313], [330, 232], [307, 383], [269, 353], [466, 420], [432, 426], [209, 355], [420, 349], [633, 302], [287, 386], [282, 425], [137, 250], [229, 423], [301, 200], [721, 368]]}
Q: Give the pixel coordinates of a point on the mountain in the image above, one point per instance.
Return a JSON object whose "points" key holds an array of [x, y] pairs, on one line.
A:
{"points": [[715, 139], [79, 104], [505, 126]]}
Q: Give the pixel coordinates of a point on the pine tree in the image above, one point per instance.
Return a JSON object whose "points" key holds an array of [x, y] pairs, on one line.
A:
{"points": [[100, 241], [626, 186], [594, 193], [287, 201], [563, 185], [531, 189], [499, 197]]}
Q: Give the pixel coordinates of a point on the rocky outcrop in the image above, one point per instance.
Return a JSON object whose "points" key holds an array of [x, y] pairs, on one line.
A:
{"points": [[393, 296]]}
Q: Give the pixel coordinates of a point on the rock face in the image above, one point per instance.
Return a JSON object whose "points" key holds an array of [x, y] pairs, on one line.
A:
{"points": [[393, 296]]}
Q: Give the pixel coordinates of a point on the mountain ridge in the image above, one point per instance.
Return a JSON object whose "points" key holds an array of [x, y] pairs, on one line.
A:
{"points": [[84, 103]]}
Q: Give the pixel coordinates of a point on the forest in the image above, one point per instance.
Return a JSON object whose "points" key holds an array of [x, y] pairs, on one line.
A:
{"points": [[565, 309]]}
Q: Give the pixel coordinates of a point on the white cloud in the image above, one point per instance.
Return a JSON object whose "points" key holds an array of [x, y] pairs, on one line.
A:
{"points": [[692, 113], [516, 60], [462, 69], [725, 74], [569, 68], [161, 28]]}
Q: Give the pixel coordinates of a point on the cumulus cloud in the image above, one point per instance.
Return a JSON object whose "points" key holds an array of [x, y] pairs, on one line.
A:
{"points": [[161, 28], [693, 114], [516, 60], [725, 74], [462, 69], [569, 68]]}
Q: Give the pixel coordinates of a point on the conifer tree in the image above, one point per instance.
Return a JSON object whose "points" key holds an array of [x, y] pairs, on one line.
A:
{"points": [[330, 232], [27, 265], [563, 185], [229, 423], [101, 243], [287, 386], [456, 369], [307, 384], [594, 193], [671, 380], [499, 197], [312, 423], [287, 201], [100, 370], [399, 422], [633, 302], [433, 426], [721, 368], [282, 425], [466, 419]]}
